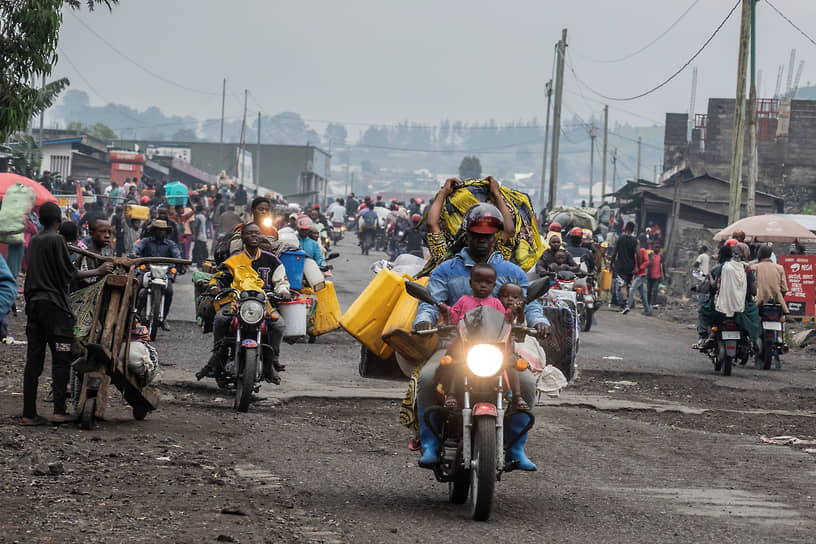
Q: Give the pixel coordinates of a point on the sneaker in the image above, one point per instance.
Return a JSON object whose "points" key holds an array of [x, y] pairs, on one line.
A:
{"points": [[35, 421], [59, 419], [625, 311]]}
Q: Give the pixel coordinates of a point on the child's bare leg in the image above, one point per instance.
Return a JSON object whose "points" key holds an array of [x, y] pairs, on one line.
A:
{"points": [[515, 386]]}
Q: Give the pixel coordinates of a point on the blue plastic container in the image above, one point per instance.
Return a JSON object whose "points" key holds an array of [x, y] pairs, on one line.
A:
{"points": [[176, 193], [293, 262]]}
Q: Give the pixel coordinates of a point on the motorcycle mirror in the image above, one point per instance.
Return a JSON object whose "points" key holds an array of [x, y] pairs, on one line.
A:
{"points": [[536, 289], [332, 255], [420, 292]]}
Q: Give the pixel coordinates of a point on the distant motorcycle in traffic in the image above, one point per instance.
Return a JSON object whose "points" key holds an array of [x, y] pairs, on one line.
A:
{"points": [[771, 343], [731, 345], [154, 280]]}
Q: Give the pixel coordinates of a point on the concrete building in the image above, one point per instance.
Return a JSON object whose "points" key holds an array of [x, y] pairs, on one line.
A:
{"points": [[299, 172], [786, 146]]}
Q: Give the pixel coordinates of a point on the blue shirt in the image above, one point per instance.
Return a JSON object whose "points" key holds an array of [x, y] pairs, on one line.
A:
{"points": [[8, 288], [312, 248], [150, 247], [451, 280]]}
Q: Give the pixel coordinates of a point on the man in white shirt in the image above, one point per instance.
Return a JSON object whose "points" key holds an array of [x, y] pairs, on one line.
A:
{"points": [[699, 273]]}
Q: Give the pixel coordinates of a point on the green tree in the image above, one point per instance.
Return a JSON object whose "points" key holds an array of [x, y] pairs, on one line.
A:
{"points": [[97, 130], [29, 32], [336, 133], [470, 168]]}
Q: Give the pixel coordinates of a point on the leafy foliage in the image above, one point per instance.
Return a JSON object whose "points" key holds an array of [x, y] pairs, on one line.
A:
{"points": [[809, 208], [29, 31], [97, 130], [470, 168]]}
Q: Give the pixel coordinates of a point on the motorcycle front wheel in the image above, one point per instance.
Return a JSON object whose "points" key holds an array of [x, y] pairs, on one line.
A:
{"points": [[483, 473], [246, 380], [155, 311], [587, 320]]}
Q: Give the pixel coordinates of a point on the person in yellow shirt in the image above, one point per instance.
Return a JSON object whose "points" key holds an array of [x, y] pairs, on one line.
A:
{"points": [[262, 270]]}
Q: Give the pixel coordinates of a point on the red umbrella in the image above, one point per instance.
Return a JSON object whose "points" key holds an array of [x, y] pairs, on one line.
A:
{"points": [[7, 179]]}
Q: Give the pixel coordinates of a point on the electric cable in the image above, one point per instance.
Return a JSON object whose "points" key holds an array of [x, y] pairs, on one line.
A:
{"points": [[648, 45], [790, 22], [138, 64], [667, 80]]}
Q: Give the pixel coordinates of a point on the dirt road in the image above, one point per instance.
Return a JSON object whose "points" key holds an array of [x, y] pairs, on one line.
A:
{"points": [[647, 446]]}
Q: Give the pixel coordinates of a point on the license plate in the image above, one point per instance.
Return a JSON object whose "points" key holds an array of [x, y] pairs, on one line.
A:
{"points": [[730, 335], [772, 325]]}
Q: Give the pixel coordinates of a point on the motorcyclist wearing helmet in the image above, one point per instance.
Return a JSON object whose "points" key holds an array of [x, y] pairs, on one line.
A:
{"points": [[413, 238], [575, 247], [448, 283]]}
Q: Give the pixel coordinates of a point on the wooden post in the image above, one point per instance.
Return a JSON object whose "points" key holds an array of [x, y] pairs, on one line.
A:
{"points": [[559, 94], [603, 170], [738, 140]]}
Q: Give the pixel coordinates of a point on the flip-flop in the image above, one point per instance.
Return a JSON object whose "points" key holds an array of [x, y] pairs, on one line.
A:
{"points": [[414, 444], [36, 421]]}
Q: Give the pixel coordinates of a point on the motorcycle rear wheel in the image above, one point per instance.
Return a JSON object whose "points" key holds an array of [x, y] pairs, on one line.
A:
{"points": [[587, 320], [767, 355], [726, 367], [87, 419], [246, 381], [483, 473]]}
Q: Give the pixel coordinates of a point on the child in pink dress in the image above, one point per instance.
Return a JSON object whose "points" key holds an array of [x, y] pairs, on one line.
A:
{"points": [[482, 282]]}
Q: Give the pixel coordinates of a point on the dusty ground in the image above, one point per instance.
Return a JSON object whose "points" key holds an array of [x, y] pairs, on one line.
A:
{"points": [[649, 445]]}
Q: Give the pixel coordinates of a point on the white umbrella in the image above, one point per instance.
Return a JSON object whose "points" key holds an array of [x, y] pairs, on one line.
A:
{"points": [[768, 228]]}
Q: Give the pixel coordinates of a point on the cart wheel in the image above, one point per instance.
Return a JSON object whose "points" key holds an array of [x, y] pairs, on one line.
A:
{"points": [[88, 418], [139, 412]]}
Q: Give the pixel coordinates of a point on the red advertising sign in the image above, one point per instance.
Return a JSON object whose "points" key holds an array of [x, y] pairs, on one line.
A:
{"points": [[800, 273]]}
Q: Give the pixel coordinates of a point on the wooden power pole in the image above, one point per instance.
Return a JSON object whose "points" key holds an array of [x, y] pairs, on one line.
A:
{"points": [[637, 175], [753, 161], [559, 95], [603, 169], [543, 197], [738, 141]]}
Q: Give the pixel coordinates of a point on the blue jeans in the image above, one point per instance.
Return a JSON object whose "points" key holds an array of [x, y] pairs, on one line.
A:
{"points": [[702, 330], [639, 284]]}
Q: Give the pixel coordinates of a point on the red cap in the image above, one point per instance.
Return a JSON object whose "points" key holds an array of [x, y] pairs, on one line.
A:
{"points": [[486, 225], [144, 200], [317, 206], [576, 231], [731, 242], [555, 227]]}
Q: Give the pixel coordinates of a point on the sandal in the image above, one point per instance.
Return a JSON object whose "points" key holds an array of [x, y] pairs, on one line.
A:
{"points": [[414, 444], [451, 403], [521, 404]]}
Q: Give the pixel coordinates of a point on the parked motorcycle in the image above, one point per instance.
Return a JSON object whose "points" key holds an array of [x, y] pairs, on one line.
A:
{"points": [[243, 365], [154, 281], [472, 456], [771, 342], [585, 288], [731, 345]]}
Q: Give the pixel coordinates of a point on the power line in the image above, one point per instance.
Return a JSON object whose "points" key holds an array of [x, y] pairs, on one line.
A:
{"points": [[648, 45], [667, 80], [138, 64], [802, 32], [482, 150]]}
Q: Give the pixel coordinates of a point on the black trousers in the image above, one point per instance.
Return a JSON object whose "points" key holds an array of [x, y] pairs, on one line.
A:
{"points": [[47, 325], [199, 252]]}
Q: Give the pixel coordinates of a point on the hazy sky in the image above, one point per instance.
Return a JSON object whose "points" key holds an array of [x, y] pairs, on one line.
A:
{"points": [[382, 61]]}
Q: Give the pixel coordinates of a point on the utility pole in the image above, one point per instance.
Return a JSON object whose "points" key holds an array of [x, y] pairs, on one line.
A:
{"points": [[738, 141], [543, 198], [603, 170], [593, 133], [614, 167], [559, 95], [637, 176], [753, 160], [239, 159], [258, 158], [223, 99], [655, 173]]}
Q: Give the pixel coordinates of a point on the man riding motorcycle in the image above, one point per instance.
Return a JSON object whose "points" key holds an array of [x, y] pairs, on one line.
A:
{"points": [[449, 282], [250, 262], [157, 244], [307, 244], [579, 253]]}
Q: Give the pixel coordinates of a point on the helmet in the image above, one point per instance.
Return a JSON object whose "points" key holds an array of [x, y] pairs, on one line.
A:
{"points": [[576, 231], [731, 242], [144, 199], [379, 196], [555, 227], [416, 218], [483, 219], [304, 223]]}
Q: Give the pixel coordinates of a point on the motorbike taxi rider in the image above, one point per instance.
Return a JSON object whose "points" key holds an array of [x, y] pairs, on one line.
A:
{"points": [[157, 244], [449, 282], [250, 263], [576, 248]]}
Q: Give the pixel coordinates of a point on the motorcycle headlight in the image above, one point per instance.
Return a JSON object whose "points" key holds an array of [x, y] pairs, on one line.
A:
{"points": [[251, 312], [158, 272], [484, 360]]}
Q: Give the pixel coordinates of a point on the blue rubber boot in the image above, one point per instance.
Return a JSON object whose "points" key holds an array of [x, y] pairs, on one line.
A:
{"points": [[429, 441], [515, 454]]}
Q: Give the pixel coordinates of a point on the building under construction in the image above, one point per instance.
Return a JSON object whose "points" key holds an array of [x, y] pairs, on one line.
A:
{"points": [[786, 146]]}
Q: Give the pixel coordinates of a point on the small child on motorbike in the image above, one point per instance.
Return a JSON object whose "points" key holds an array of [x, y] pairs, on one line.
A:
{"points": [[482, 282], [560, 261]]}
